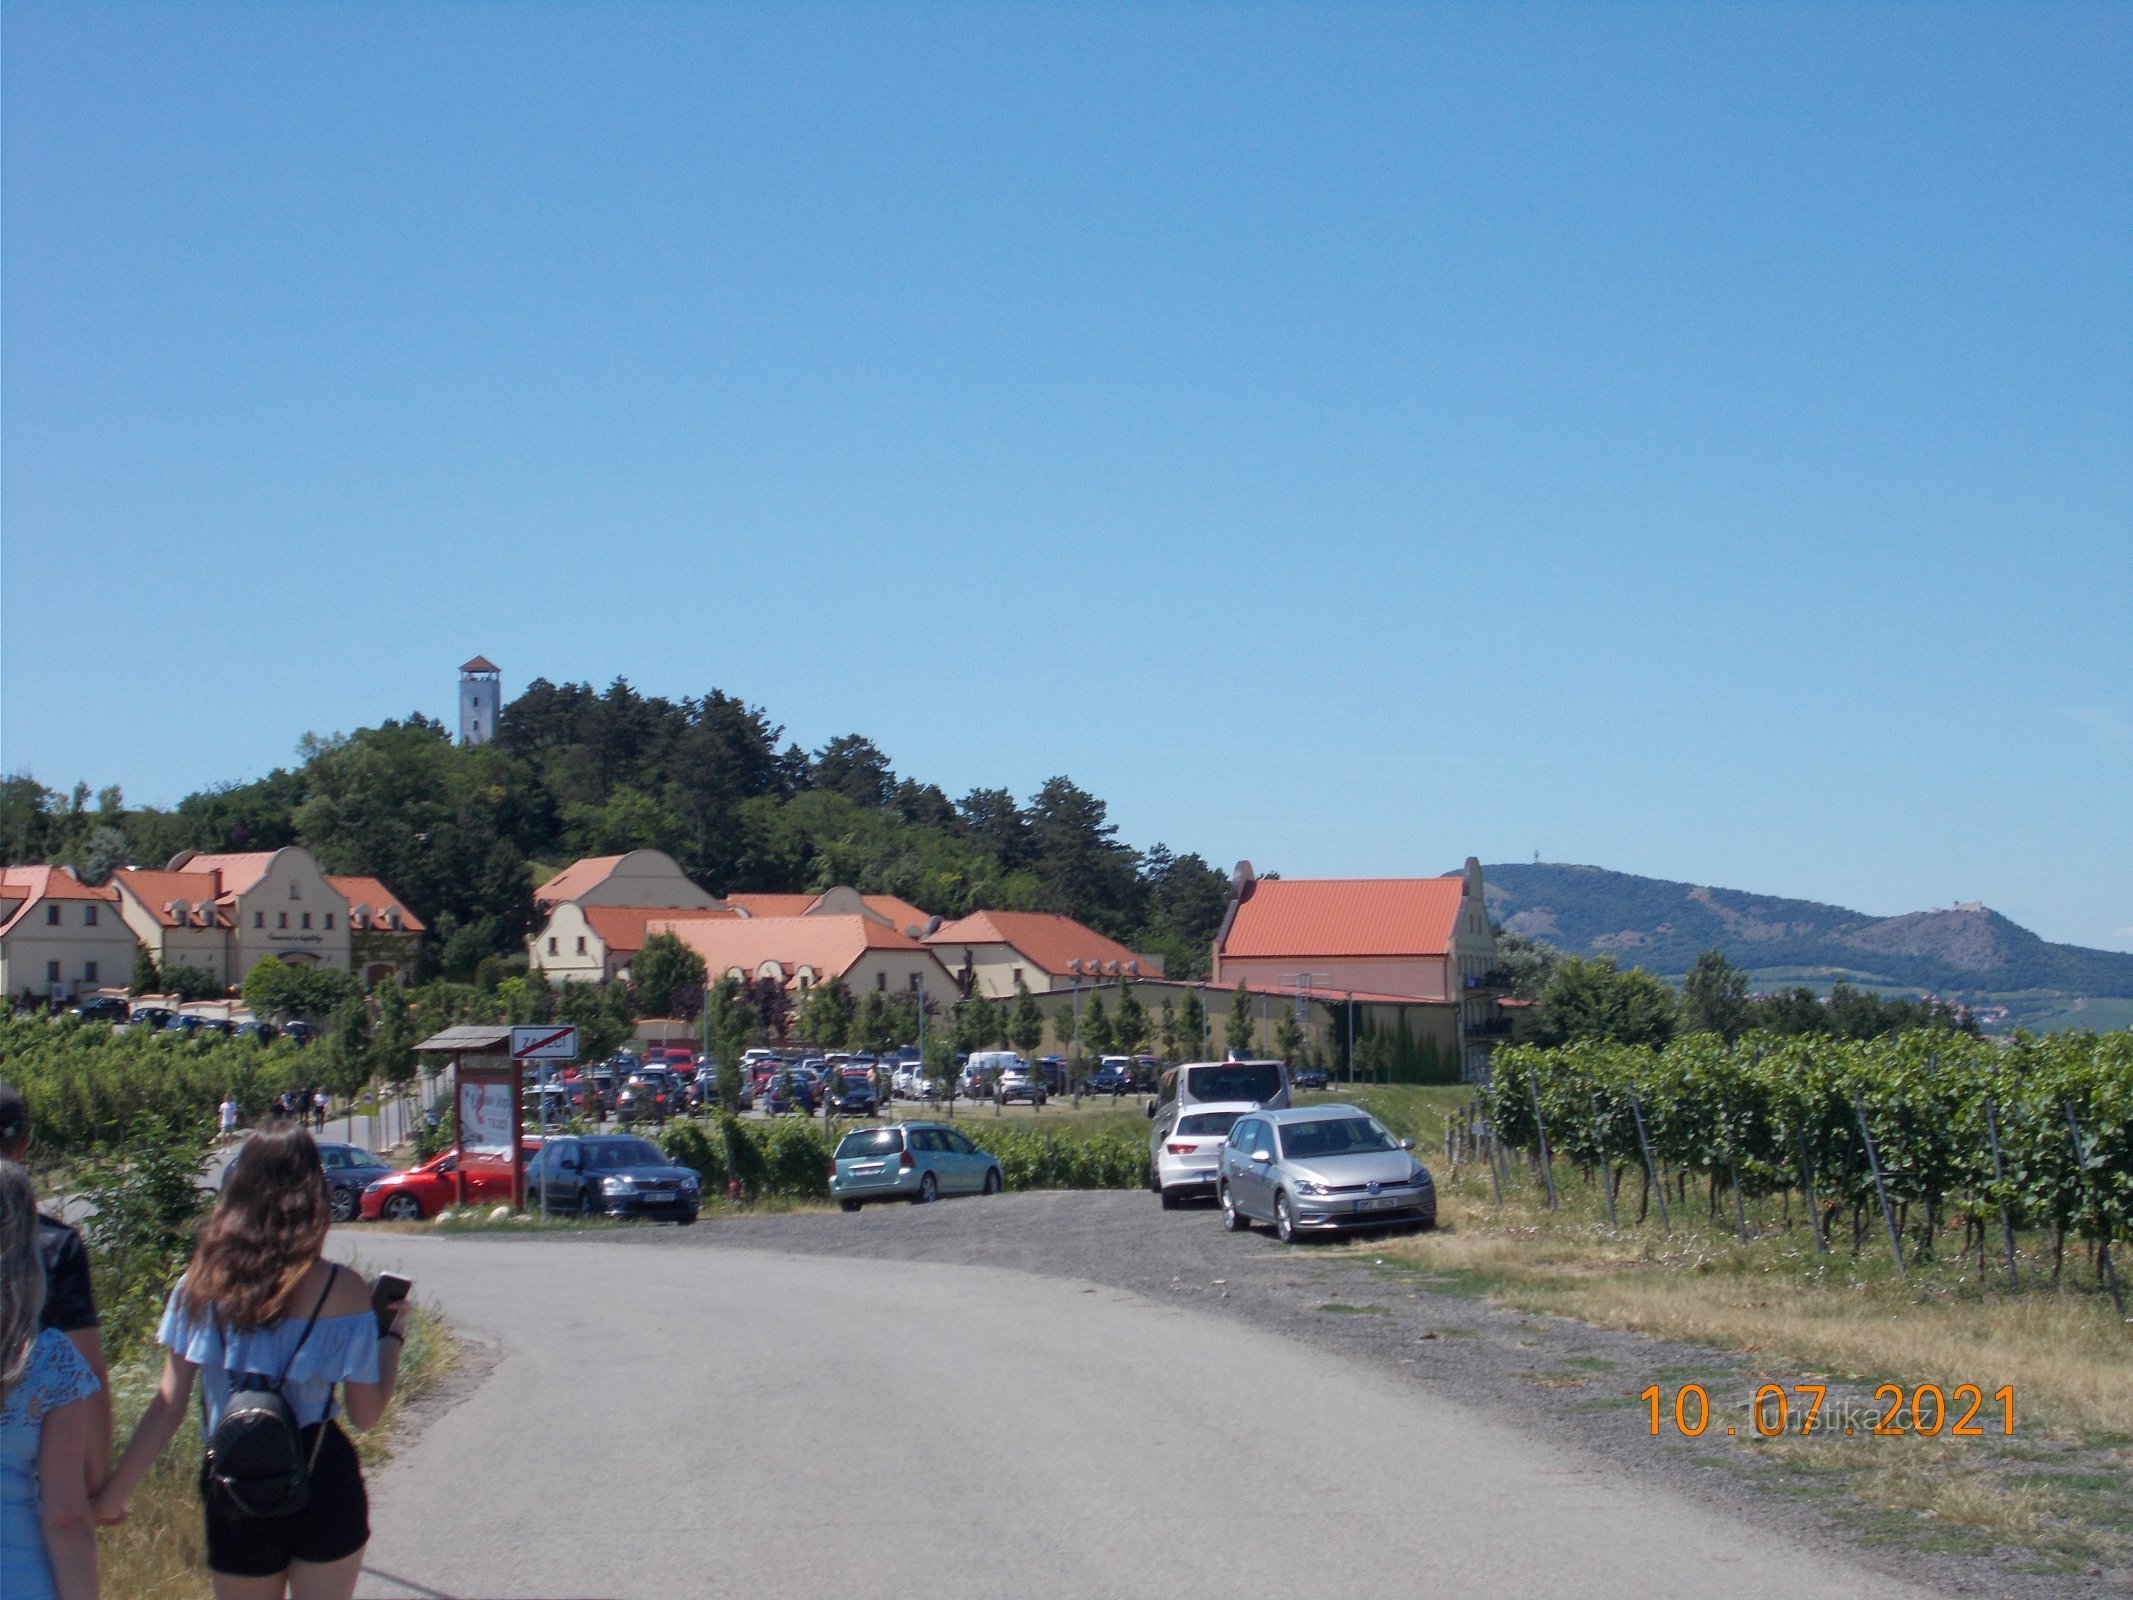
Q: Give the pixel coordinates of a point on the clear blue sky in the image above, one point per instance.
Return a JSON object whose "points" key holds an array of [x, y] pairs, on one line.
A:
{"points": [[1693, 440]]}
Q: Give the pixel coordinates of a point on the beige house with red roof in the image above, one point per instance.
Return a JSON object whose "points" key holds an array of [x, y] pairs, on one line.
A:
{"points": [[801, 952], [225, 913], [634, 878], [1040, 949], [60, 939], [384, 937], [1389, 939]]}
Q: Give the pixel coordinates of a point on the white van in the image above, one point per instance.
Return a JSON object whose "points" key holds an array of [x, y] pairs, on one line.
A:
{"points": [[1261, 1083]]}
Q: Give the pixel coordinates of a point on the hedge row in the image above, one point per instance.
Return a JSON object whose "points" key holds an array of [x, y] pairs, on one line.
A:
{"points": [[790, 1158]]}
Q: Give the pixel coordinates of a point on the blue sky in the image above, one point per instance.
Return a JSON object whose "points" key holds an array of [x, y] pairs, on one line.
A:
{"points": [[1692, 440]]}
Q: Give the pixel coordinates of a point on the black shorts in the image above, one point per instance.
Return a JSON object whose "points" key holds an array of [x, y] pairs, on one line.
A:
{"points": [[335, 1524]]}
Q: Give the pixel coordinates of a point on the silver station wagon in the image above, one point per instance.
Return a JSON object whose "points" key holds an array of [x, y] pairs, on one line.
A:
{"points": [[1323, 1169]]}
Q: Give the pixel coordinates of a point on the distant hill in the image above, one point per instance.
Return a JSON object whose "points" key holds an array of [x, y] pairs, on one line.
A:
{"points": [[1969, 952]]}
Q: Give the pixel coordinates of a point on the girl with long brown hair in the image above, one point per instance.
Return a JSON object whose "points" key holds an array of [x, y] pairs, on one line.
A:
{"points": [[260, 1303]]}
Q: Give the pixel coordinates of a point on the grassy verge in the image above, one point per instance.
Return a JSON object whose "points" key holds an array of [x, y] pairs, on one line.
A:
{"points": [[2057, 1491], [158, 1553]]}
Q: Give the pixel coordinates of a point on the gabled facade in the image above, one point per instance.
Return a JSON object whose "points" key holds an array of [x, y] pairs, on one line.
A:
{"points": [[635, 878], [60, 939], [227, 912], [801, 952], [384, 937]]}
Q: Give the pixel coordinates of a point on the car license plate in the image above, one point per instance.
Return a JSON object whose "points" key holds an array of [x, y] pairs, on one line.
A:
{"points": [[655, 1199], [1385, 1202]]}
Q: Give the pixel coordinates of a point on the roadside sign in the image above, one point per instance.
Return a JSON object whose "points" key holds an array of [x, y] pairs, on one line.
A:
{"points": [[554, 1042]]}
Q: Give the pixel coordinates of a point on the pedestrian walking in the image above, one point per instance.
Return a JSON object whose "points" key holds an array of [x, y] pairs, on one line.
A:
{"points": [[318, 1110], [229, 1116], [47, 1539], [259, 1308]]}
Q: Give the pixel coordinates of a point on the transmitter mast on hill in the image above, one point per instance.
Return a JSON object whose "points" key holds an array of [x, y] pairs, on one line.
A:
{"points": [[481, 694]]}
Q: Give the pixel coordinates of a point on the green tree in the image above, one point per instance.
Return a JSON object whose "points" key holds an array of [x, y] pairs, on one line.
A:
{"points": [[1587, 998], [192, 983], [601, 1014], [1241, 1024], [1288, 1034], [1167, 1032], [977, 1023], [663, 968], [1096, 1037], [871, 1023], [1714, 997], [1025, 1024], [1529, 963], [274, 988], [392, 1042], [1192, 1026], [826, 1015], [1130, 1029], [145, 978], [940, 1067], [348, 1053]]}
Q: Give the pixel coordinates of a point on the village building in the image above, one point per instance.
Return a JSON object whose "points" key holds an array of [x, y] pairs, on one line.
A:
{"points": [[801, 952], [1040, 950], [226, 913], [384, 937], [60, 938], [1417, 954]]}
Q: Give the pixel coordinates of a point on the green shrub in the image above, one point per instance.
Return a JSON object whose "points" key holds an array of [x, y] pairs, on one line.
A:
{"points": [[796, 1161], [688, 1144], [1034, 1158]]}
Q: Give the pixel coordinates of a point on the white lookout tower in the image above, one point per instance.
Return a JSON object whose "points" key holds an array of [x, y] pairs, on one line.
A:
{"points": [[481, 694]]}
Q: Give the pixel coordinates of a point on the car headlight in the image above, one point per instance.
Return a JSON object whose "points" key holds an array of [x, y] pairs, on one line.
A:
{"points": [[1421, 1178], [373, 1188], [616, 1185], [1306, 1186]]}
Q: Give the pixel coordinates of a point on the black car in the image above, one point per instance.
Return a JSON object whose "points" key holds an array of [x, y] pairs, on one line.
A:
{"points": [[615, 1174], [1309, 1078], [851, 1094], [350, 1169], [102, 1008], [1108, 1080]]}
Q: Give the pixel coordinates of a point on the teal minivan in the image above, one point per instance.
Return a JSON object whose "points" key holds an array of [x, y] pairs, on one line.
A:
{"points": [[915, 1161]]}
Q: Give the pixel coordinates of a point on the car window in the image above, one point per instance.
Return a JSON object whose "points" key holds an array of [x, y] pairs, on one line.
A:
{"points": [[333, 1156], [870, 1142], [1334, 1136], [612, 1154], [1206, 1124], [1241, 1136], [1262, 1138], [929, 1139], [1234, 1080], [960, 1145]]}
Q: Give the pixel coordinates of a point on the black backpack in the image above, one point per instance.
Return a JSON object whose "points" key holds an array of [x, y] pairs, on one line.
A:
{"points": [[255, 1464]]}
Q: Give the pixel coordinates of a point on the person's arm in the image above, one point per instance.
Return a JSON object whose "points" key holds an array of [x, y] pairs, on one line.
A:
{"points": [[63, 1496], [96, 1459], [366, 1402], [158, 1424]]}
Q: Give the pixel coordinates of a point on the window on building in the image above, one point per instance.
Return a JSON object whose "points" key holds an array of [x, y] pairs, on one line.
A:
{"points": [[1018, 977], [581, 944], [295, 892], [259, 919], [329, 921], [284, 922], [915, 981], [88, 972], [51, 972], [51, 916], [88, 916], [881, 980], [307, 919], [552, 946]]}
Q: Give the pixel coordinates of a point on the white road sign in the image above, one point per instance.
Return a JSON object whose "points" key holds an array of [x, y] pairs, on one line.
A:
{"points": [[553, 1042]]}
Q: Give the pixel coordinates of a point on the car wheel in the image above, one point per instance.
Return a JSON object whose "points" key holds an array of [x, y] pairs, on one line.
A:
{"points": [[928, 1190], [402, 1208], [992, 1180], [847, 1205], [344, 1205], [1171, 1198], [1233, 1219], [1284, 1220]]}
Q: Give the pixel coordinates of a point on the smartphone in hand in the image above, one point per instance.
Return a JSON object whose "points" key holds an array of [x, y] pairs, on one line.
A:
{"points": [[389, 1288]]}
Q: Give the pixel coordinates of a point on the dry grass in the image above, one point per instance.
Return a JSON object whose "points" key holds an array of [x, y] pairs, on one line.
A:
{"points": [[159, 1553]]}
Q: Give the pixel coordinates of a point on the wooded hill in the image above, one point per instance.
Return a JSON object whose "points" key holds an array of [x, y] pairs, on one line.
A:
{"points": [[463, 835], [1663, 925]]}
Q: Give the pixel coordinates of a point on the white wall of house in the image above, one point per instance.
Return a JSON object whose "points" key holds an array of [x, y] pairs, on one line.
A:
{"points": [[567, 948], [89, 948]]}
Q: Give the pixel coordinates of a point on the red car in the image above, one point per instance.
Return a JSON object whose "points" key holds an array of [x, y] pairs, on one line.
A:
{"points": [[426, 1190]]}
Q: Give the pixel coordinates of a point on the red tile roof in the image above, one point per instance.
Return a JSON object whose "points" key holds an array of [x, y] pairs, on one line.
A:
{"points": [[899, 911], [234, 874], [35, 885], [622, 928], [831, 945], [1046, 939], [156, 891], [1347, 917], [480, 664], [575, 879], [370, 893], [772, 905]]}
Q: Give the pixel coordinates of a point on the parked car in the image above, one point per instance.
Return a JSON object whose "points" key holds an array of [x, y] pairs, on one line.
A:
{"points": [[259, 1032], [1309, 1078], [350, 1169], [1018, 1080], [851, 1093], [614, 1174], [1320, 1169], [102, 1008], [299, 1030], [153, 1018], [425, 1190], [790, 1090], [1185, 1148], [650, 1093], [1264, 1083], [1110, 1078], [915, 1161]]}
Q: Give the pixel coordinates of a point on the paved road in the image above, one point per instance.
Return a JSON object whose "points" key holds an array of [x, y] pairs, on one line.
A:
{"points": [[666, 1421]]}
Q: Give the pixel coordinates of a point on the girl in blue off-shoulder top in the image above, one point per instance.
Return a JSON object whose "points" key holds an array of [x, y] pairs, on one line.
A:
{"points": [[259, 1303]]}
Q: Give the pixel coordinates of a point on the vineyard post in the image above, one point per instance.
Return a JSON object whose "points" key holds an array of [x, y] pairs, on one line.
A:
{"points": [[1547, 1162], [2103, 1243], [1599, 1139], [1999, 1179], [1740, 1210], [1651, 1172], [1494, 1148], [1880, 1188], [1807, 1177]]}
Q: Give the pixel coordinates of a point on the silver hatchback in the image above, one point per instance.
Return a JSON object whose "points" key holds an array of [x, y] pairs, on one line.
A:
{"points": [[1324, 1169]]}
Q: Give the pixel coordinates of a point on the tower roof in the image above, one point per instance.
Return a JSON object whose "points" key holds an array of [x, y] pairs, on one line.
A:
{"points": [[481, 664]]}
